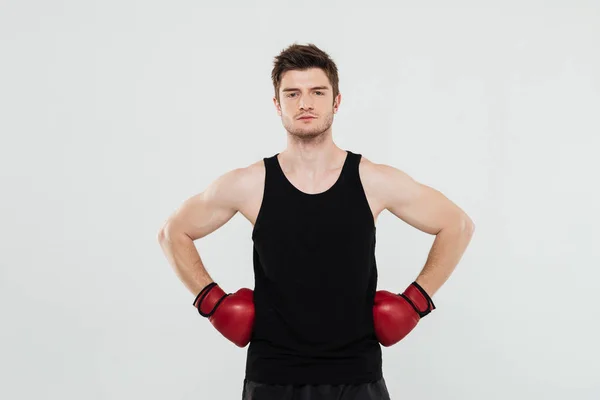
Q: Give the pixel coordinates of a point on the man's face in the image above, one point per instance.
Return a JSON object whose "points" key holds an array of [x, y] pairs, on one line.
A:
{"points": [[306, 93]]}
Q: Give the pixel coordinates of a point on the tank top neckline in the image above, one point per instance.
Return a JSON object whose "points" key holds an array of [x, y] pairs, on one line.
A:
{"points": [[330, 189]]}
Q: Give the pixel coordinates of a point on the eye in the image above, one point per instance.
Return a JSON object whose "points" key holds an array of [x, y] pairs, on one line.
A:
{"points": [[320, 92], [290, 94]]}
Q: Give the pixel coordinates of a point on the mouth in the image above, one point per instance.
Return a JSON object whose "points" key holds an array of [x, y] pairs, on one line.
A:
{"points": [[307, 118]]}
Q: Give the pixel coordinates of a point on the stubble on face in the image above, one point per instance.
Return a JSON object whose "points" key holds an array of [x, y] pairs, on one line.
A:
{"points": [[307, 131]]}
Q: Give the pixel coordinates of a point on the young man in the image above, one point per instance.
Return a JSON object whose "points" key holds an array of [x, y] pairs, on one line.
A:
{"points": [[314, 321]]}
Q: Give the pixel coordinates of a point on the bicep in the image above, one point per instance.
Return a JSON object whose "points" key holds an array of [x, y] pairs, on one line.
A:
{"points": [[419, 205], [206, 212]]}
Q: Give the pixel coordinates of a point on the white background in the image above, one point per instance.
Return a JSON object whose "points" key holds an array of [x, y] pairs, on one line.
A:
{"points": [[114, 112]]}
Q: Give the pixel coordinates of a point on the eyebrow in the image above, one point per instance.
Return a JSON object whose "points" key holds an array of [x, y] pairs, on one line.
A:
{"points": [[313, 88]]}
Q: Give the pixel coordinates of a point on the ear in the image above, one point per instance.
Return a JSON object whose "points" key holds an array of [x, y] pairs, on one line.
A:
{"points": [[277, 106], [336, 103]]}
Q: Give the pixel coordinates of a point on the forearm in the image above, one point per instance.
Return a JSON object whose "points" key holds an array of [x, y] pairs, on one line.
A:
{"points": [[447, 250], [185, 260]]}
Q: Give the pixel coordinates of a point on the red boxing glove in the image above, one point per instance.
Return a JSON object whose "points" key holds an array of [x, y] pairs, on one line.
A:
{"points": [[395, 315], [230, 314]]}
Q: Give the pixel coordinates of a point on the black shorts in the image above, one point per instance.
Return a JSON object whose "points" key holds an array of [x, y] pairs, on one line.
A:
{"points": [[364, 391]]}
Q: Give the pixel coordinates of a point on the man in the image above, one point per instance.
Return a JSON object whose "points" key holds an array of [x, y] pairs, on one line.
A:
{"points": [[314, 321]]}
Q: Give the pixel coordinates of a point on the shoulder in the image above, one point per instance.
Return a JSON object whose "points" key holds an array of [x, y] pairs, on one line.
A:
{"points": [[385, 181], [243, 178], [381, 174], [244, 182]]}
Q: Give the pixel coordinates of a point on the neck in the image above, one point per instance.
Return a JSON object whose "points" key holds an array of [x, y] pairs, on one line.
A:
{"points": [[313, 159]]}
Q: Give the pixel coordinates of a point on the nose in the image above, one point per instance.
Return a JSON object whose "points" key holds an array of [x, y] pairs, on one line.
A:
{"points": [[305, 105]]}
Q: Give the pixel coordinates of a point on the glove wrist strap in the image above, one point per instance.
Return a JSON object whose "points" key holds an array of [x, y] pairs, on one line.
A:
{"points": [[418, 298], [209, 299]]}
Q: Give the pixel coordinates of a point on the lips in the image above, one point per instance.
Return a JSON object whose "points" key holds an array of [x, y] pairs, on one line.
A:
{"points": [[308, 117]]}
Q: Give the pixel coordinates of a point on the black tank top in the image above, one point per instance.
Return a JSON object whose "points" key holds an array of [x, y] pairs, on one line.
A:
{"points": [[315, 280]]}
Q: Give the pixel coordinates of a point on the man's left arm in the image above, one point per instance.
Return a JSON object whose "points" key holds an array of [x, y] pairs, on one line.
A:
{"points": [[430, 211]]}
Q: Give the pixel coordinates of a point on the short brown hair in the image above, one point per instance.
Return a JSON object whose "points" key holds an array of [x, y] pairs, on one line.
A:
{"points": [[302, 57]]}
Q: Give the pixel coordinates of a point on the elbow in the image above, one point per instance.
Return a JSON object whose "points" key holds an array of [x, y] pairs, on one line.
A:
{"points": [[467, 225], [160, 237], [164, 232], [463, 224], [168, 232]]}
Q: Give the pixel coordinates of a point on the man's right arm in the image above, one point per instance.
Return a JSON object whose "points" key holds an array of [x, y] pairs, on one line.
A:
{"points": [[197, 217]]}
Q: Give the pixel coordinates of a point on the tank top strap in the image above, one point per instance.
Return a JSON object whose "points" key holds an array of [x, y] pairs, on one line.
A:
{"points": [[353, 162], [350, 170], [275, 180], [271, 164]]}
